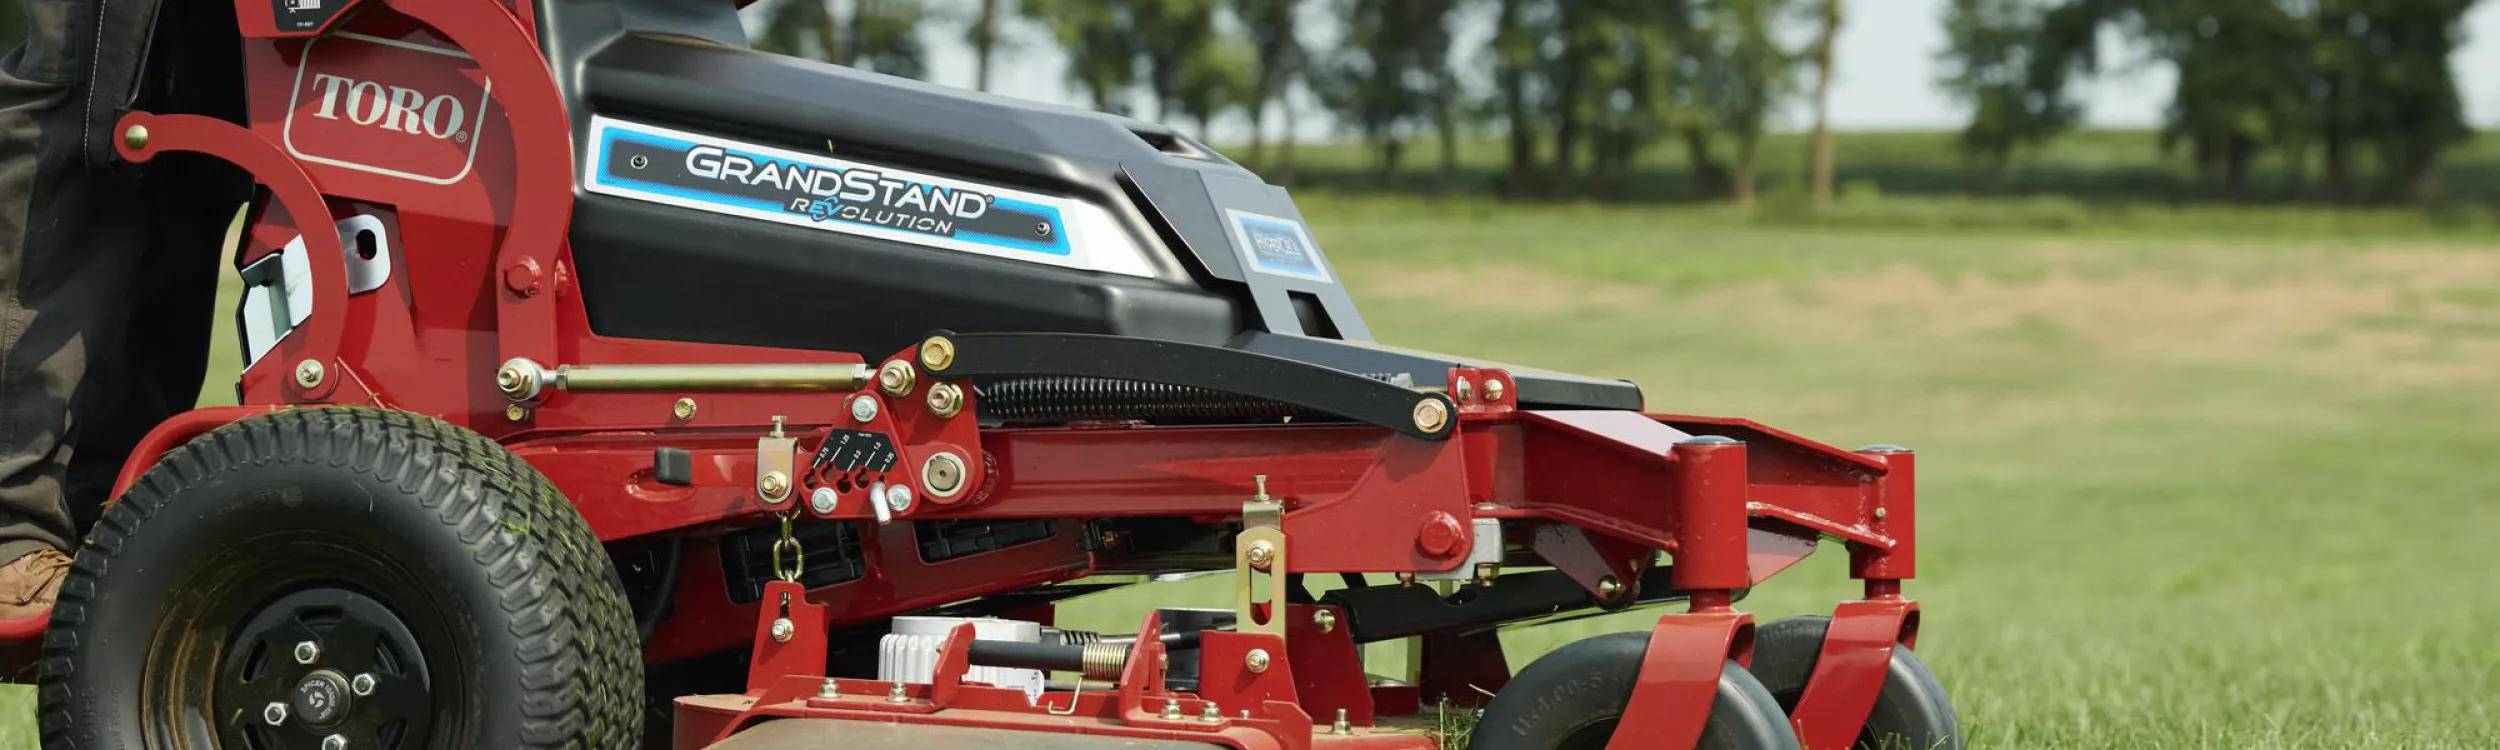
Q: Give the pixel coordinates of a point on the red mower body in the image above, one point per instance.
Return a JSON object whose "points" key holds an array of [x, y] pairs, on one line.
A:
{"points": [[444, 125]]}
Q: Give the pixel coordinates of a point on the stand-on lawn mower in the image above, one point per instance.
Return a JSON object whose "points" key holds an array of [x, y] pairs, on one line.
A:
{"points": [[637, 273]]}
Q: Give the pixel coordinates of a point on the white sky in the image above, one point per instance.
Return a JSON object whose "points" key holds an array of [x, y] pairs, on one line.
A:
{"points": [[1887, 73]]}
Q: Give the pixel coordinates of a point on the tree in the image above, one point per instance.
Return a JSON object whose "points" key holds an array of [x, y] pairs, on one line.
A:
{"points": [[1214, 79], [1168, 33], [2010, 61], [1391, 76], [879, 37], [982, 34], [1276, 54], [1099, 37], [1822, 148], [1749, 74]]}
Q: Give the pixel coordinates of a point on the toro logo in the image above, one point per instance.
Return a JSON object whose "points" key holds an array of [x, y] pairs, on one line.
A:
{"points": [[388, 107]]}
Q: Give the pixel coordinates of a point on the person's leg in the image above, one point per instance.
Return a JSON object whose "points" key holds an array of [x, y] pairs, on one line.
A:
{"points": [[76, 242]]}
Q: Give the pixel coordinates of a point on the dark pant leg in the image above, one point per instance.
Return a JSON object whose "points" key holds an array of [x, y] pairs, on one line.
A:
{"points": [[102, 262]]}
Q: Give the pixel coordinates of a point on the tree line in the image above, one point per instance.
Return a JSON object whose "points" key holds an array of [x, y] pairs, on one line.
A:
{"points": [[1578, 91]]}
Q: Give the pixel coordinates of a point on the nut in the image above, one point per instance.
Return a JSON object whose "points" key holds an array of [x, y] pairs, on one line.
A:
{"points": [[1172, 709], [684, 410], [946, 400], [362, 685], [942, 475], [784, 629], [831, 689], [1256, 660], [309, 373], [774, 485], [1261, 554], [937, 353], [1431, 414], [273, 714], [1210, 714], [307, 652], [898, 693], [864, 408], [334, 742], [896, 378]]}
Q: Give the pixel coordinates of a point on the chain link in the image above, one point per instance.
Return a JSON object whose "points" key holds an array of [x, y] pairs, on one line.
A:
{"points": [[798, 554]]}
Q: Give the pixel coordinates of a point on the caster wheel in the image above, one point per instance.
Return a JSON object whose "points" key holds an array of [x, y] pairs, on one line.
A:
{"points": [[1912, 711], [341, 578], [1572, 699]]}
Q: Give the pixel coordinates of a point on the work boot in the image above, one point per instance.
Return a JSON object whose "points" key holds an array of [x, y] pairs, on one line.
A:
{"points": [[29, 583]]}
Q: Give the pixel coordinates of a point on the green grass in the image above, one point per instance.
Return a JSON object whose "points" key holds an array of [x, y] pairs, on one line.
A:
{"points": [[2178, 488]]}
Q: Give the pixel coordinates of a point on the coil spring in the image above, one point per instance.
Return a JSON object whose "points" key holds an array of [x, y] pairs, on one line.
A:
{"points": [[1068, 399]]}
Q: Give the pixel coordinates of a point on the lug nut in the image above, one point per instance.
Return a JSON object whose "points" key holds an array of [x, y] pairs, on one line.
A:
{"points": [[307, 652], [864, 408], [1256, 660], [334, 742], [274, 714], [362, 685]]}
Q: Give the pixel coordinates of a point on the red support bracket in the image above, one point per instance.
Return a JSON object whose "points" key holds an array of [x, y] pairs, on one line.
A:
{"points": [[1244, 670], [797, 650], [1849, 673], [1680, 678], [1328, 671]]}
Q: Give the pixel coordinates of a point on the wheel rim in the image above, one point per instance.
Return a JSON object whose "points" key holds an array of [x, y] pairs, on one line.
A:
{"points": [[261, 656]]}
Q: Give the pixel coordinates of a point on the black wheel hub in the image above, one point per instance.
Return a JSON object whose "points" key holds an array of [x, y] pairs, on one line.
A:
{"points": [[325, 662]]}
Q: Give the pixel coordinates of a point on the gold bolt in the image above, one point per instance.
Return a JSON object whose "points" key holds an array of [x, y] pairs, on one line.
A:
{"points": [[1431, 414], [1492, 389], [774, 484], [1256, 661], [1261, 554], [308, 374], [943, 475], [136, 137], [684, 409], [945, 400], [937, 353], [515, 413], [1608, 588], [896, 378], [1324, 620]]}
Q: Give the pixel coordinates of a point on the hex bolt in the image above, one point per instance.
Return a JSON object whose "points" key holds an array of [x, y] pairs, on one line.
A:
{"points": [[946, 400], [1172, 709], [362, 684], [774, 485], [898, 693], [829, 690], [684, 410], [273, 714], [1324, 621], [334, 742], [784, 630], [1431, 414], [895, 378], [864, 408], [898, 498], [307, 652], [1256, 660], [1211, 714], [937, 353], [1261, 554], [1341, 726], [823, 501]]}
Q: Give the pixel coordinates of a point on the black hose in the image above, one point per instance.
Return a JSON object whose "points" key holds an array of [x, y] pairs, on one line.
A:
{"points": [[663, 595]]}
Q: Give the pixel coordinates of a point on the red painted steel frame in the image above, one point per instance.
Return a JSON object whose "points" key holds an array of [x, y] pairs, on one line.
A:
{"points": [[1596, 493]]}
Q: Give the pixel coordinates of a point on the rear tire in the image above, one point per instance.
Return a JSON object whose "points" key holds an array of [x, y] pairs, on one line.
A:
{"points": [[1573, 698], [1912, 712], [381, 576]]}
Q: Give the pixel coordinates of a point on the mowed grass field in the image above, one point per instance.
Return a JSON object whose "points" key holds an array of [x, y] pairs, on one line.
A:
{"points": [[2178, 489]]}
